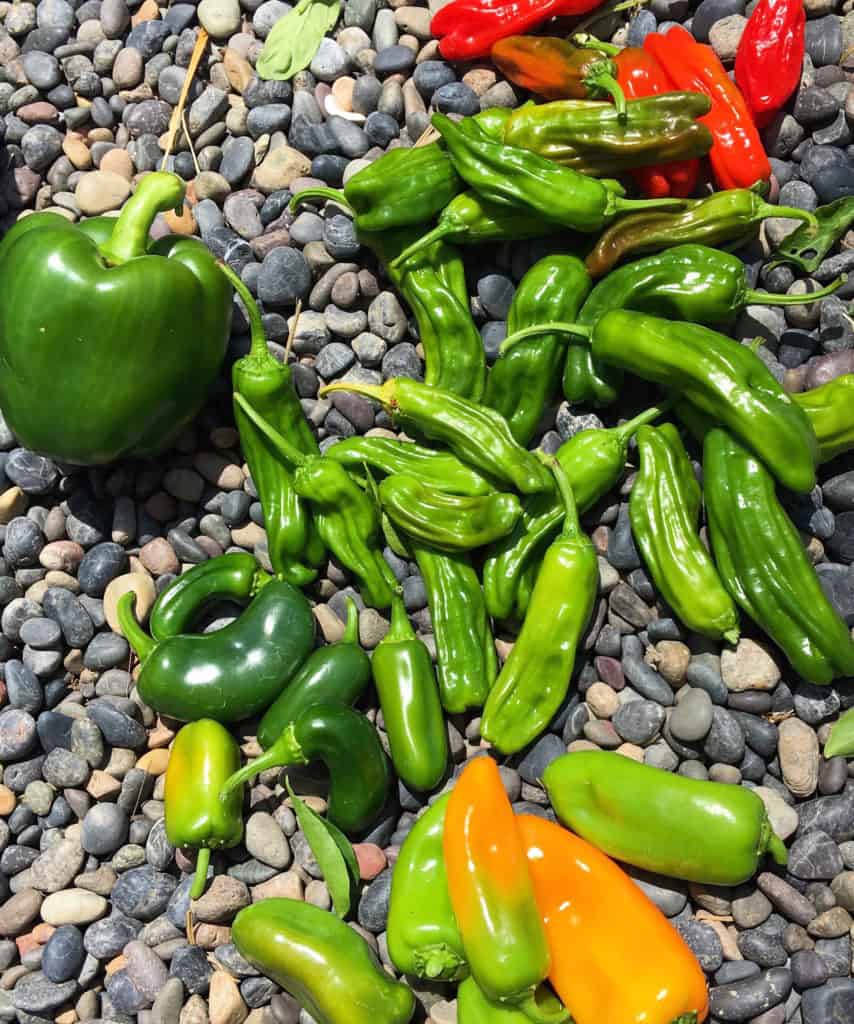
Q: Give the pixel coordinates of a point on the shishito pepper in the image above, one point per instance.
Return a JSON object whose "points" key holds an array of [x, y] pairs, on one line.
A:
{"points": [[764, 565], [491, 890], [231, 674], [705, 832], [324, 964], [202, 757], [473, 1007], [598, 920], [535, 677], [829, 411], [148, 323]]}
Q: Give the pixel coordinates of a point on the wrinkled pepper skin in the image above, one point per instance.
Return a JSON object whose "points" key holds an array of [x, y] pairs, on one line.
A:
{"points": [[348, 745], [557, 70], [409, 699], [232, 577], [829, 411], [202, 757], [231, 674], [491, 889], [721, 378], [808, 245], [334, 673], [322, 962], [148, 322], [597, 920], [763, 563], [474, 1008], [524, 380], [707, 832], [664, 507], [534, 679], [422, 933], [770, 56]]}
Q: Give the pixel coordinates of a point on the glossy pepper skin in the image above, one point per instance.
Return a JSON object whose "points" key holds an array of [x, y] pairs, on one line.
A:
{"points": [[721, 378], [231, 674], [534, 679], [764, 565], [148, 322], [474, 433], [770, 56], [524, 380], [202, 757], [597, 919], [664, 507], [324, 964], [334, 673], [807, 246], [706, 832], [349, 747], [422, 933], [474, 1008], [232, 577], [840, 742], [409, 699], [828, 409]]}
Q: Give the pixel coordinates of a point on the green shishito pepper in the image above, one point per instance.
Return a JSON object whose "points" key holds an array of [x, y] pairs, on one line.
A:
{"points": [[322, 962], [409, 699], [707, 832], [348, 745], [535, 677], [664, 507], [232, 577], [202, 757], [231, 674], [335, 673], [148, 323], [721, 378], [476, 434], [764, 565], [473, 1007], [829, 410], [422, 933]]}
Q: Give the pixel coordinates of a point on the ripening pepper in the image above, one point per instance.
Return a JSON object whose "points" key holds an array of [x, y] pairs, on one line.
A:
{"points": [[474, 1008], [808, 245], [707, 832], [770, 56], [829, 411], [147, 321], [202, 757]]}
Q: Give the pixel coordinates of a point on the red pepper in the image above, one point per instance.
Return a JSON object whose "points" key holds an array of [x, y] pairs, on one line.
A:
{"points": [[470, 27], [738, 158], [770, 56]]}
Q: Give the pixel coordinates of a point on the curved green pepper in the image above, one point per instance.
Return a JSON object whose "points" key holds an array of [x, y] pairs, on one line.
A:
{"points": [[422, 933], [707, 832], [664, 507], [474, 1008], [348, 745], [228, 675], [409, 699], [840, 742], [202, 757], [829, 411], [324, 964], [333, 674]]}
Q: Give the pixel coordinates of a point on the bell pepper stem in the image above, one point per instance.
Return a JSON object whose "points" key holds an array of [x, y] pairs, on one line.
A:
{"points": [[351, 629], [135, 635], [203, 859], [286, 750], [571, 523], [437, 234], [157, 192], [627, 429], [756, 298], [258, 350], [550, 327], [283, 446], [334, 195]]}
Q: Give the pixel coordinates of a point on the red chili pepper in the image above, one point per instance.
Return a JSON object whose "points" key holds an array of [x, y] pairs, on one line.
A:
{"points": [[770, 56], [738, 158], [470, 27]]}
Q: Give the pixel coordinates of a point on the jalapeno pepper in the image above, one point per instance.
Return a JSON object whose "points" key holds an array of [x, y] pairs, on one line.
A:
{"points": [[707, 832], [829, 411]]}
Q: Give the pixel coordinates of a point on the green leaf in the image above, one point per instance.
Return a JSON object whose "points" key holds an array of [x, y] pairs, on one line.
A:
{"points": [[332, 851], [293, 41]]}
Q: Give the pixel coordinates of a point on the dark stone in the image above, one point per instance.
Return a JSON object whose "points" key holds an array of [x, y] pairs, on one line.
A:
{"points": [[373, 905], [814, 856], [745, 999], [63, 954]]}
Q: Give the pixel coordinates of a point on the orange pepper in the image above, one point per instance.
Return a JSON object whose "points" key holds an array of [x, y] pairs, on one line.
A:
{"points": [[598, 921]]}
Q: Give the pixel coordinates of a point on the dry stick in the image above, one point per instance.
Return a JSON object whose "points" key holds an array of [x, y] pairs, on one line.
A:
{"points": [[190, 142], [427, 136], [292, 333], [175, 121]]}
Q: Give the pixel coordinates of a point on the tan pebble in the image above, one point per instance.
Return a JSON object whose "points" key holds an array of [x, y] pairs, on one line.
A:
{"points": [[62, 554], [259, 1015], [58, 578], [248, 536], [117, 161], [69, 1017], [209, 936], [331, 626], [118, 963], [480, 79], [154, 762], [410, 42], [73, 906], [601, 699], [13, 502], [8, 800], [288, 884], [581, 745], [142, 586], [443, 1012], [42, 932], [160, 736], [217, 470], [630, 750], [77, 151], [381, 432], [195, 1011], [503, 647], [211, 185], [749, 667], [673, 659], [799, 756], [159, 557], [225, 1005], [237, 68], [25, 943], [370, 858], [147, 11], [102, 784], [183, 225], [342, 90], [100, 191], [279, 168], [316, 803], [73, 663]]}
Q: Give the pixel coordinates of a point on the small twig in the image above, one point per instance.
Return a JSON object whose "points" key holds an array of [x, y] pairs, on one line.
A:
{"points": [[428, 136], [175, 121], [190, 142], [190, 928], [292, 333]]}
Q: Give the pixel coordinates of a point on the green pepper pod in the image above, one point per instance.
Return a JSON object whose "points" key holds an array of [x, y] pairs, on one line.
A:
{"points": [[231, 674], [349, 747], [450, 522], [840, 742], [476, 434], [722, 378], [829, 411], [809, 244], [535, 677], [202, 757], [232, 577], [422, 933], [334, 673], [322, 962], [523, 381], [764, 565], [707, 832], [409, 698], [473, 1007], [664, 507]]}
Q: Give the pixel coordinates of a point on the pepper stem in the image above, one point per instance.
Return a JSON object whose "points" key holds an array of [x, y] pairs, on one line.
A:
{"points": [[777, 848], [203, 859], [550, 327], [605, 82], [351, 629], [135, 635], [259, 579], [400, 628], [571, 523], [755, 298], [157, 192], [282, 445], [437, 234], [382, 393], [438, 962], [789, 212], [286, 750], [625, 431], [258, 346], [335, 195], [590, 42]]}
